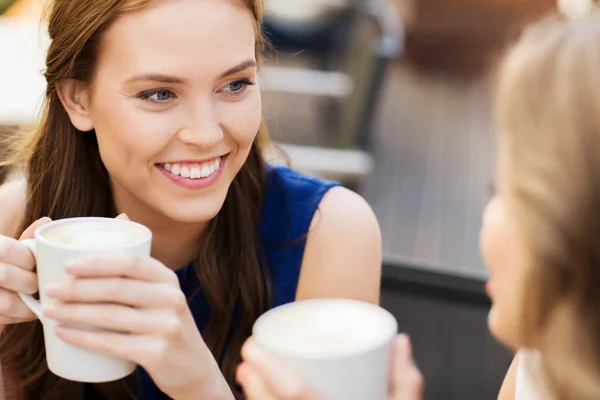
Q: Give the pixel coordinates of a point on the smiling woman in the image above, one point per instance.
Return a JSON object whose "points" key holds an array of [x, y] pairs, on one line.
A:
{"points": [[153, 109]]}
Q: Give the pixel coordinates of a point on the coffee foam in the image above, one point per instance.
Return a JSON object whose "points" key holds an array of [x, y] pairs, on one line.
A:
{"points": [[95, 234], [325, 329]]}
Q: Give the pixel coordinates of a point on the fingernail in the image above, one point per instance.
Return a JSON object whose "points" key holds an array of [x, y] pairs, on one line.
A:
{"points": [[252, 351], [45, 219], [52, 289], [70, 266], [62, 331], [123, 216], [48, 309], [240, 371], [406, 345]]}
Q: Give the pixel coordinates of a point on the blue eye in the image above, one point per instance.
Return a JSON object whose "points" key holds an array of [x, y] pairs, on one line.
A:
{"points": [[238, 87], [163, 95], [157, 96]]}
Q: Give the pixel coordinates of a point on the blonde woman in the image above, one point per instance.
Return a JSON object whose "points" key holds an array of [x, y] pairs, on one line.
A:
{"points": [[549, 185]]}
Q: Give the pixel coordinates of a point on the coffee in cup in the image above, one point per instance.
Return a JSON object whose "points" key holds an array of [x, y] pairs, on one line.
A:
{"points": [[94, 234]]}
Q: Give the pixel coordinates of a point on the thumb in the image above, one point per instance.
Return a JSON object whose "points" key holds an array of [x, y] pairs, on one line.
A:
{"points": [[123, 217], [30, 231], [407, 381]]}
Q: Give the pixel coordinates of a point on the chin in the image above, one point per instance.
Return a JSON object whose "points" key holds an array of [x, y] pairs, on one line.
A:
{"points": [[502, 330], [192, 217], [194, 214], [191, 210]]}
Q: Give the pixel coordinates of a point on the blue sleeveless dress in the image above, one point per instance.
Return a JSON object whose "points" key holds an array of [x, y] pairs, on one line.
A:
{"points": [[290, 202]]}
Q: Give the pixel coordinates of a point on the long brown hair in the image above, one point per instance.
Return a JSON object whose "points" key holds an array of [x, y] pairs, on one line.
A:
{"points": [[548, 110], [66, 178]]}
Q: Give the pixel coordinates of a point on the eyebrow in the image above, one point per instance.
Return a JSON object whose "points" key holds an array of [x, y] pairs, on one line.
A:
{"points": [[239, 68], [155, 78], [174, 80]]}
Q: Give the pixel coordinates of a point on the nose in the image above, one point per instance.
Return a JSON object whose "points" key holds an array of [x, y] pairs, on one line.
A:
{"points": [[203, 129]]}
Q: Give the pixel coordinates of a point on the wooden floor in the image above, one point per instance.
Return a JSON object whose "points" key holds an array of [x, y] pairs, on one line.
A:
{"points": [[433, 150], [433, 145]]}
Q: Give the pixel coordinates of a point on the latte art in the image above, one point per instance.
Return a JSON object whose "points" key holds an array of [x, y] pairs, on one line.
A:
{"points": [[95, 234]]}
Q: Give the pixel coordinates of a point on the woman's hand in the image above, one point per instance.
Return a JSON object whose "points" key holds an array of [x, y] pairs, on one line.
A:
{"points": [[263, 379], [139, 302], [16, 275]]}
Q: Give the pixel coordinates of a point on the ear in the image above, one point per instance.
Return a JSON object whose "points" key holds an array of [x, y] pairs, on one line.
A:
{"points": [[74, 96]]}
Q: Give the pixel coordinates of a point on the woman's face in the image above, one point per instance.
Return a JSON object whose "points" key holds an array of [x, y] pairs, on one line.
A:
{"points": [[175, 106], [505, 255]]}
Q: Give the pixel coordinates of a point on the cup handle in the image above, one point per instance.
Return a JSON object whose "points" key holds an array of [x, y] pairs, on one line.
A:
{"points": [[34, 305]]}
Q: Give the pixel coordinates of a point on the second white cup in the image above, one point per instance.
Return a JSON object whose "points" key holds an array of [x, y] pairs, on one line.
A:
{"points": [[340, 348]]}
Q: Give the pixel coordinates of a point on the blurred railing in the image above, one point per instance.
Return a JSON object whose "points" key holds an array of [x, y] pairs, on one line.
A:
{"points": [[348, 74]]}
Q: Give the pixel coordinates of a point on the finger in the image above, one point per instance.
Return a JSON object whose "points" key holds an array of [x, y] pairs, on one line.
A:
{"points": [[123, 291], [14, 253], [254, 387], [407, 381], [110, 343], [17, 279], [128, 265], [115, 317], [13, 309], [30, 231], [123, 217], [283, 384], [144, 350]]}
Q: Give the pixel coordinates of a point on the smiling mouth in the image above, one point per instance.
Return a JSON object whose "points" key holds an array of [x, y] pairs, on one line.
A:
{"points": [[193, 170]]}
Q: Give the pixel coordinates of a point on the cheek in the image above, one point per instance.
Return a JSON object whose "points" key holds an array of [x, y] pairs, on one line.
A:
{"points": [[242, 120], [502, 253], [490, 239], [128, 136]]}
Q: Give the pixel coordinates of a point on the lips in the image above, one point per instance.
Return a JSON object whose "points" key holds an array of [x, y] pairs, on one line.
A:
{"points": [[489, 288], [194, 174]]}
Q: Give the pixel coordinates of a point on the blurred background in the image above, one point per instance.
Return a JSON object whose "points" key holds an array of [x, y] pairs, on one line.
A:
{"points": [[391, 97]]}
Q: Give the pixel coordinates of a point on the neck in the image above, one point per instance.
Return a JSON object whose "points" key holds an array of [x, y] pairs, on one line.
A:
{"points": [[174, 244]]}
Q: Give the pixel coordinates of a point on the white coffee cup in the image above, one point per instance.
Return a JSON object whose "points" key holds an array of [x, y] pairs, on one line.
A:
{"points": [[53, 245], [340, 348]]}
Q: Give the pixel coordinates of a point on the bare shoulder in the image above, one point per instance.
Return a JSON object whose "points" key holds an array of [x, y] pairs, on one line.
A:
{"points": [[344, 205], [343, 250], [13, 197]]}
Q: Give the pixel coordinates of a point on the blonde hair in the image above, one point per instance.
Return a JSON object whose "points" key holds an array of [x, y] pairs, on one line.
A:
{"points": [[578, 8], [548, 110]]}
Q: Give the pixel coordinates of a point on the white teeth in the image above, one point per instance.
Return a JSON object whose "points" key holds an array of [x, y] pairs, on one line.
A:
{"points": [[205, 171], [214, 166], [195, 173], [185, 172]]}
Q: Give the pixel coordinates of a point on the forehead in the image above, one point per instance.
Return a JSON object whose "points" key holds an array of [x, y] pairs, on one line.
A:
{"points": [[180, 37]]}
